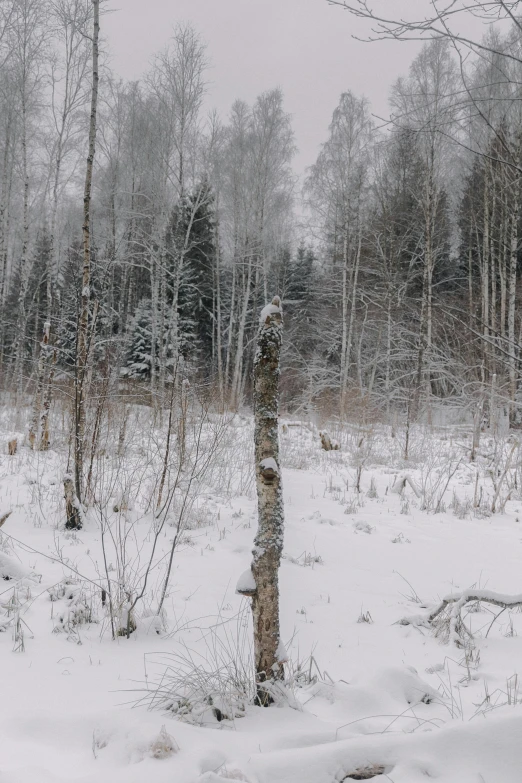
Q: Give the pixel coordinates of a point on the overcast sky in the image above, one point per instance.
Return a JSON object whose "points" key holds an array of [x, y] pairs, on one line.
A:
{"points": [[303, 46]]}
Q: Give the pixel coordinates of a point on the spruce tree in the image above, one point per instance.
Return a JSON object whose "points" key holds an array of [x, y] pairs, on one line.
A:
{"points": [[191, 254], [139, 353]]}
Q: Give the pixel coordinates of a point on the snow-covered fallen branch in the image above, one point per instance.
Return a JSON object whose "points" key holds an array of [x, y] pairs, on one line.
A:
{"points": [[446, 616], [401, 482]]}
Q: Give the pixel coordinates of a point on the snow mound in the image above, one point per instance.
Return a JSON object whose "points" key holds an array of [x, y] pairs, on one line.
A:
{"points": [[363, 527], [246, 583], [405, 685], [488, 751], [10, 569]]}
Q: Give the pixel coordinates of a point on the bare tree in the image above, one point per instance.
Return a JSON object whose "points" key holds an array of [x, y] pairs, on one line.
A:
{"points": [[336, 190], [424, 103], [82, 350], [28, 35], [177, 83], [258, 192], [68, 72], [441, 19]]}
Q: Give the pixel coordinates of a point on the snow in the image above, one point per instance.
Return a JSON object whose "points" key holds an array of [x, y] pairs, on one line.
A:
{"points": [[268, 310], [461, 754], [281, 653], [269, 464], [246, 582], [10, 569], [379, 693]]}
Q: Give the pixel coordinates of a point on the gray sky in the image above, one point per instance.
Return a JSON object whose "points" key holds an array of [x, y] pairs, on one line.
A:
{"points": [[303, 46]]}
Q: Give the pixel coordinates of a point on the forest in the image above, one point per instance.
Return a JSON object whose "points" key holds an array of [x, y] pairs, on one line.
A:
{"points": [[397, 260], [260, 428]]}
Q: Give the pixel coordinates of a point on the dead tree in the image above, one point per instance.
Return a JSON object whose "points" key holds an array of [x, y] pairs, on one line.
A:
{"points": [[268, 545]]}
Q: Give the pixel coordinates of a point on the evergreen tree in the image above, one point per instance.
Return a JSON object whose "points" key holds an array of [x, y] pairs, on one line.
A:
{"points": [[139, 354], [299, 290], [191, 257]]}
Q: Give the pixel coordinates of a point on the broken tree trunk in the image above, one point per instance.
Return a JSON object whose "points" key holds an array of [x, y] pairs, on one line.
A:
{"points": [[268, 545]]}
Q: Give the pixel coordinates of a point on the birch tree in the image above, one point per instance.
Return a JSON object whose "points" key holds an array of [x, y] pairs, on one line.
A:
{"points": [[68, 74], [268, 545], [336, 190], [28, 34], [259, 187], [425, 104], [82, 350], [178, 85]]}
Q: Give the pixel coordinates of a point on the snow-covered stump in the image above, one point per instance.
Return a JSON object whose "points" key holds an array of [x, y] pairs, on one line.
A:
{"points": [[327, 443], [268, 544]]}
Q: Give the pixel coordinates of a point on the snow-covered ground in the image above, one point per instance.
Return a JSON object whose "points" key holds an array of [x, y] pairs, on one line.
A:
{"points": [[364, 691]]}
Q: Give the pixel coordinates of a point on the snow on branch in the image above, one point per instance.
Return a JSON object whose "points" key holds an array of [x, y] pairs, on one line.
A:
{"points": [[446, 616]]}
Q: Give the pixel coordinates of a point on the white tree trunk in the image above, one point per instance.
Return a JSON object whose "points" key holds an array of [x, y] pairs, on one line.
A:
{"points": [[268, 545], [512, 298], [83, 324], [236, 380]]}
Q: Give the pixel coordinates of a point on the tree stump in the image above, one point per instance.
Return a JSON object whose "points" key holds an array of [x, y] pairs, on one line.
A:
{"points": [[327, 443]]}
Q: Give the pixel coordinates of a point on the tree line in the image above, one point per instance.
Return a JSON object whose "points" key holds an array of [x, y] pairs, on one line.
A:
{"points": [[398, 262]]}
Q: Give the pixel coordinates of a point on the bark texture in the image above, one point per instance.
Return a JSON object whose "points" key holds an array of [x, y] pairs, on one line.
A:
{"points": [[268, 543], [44, 360]]}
